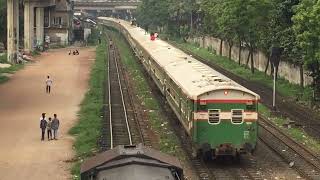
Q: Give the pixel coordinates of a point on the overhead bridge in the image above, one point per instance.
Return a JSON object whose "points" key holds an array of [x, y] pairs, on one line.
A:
{"points": [[106, 5]]}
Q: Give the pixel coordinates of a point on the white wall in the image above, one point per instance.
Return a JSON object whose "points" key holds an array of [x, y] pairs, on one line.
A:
{"points": [[287, 70]]}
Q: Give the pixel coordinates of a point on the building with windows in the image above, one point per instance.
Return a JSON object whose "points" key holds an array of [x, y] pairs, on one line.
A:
{"points": [[58, 23]]}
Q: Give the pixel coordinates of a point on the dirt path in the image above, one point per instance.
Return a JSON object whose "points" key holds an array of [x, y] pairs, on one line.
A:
{"points": [[23, 99]]}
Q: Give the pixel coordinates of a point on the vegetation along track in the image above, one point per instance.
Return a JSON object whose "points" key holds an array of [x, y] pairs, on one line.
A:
{"points": [[301, 159], [120, 123], [303, 116]]}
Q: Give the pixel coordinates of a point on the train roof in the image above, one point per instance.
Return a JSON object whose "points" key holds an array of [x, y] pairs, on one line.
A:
{"points": [[193, 77], [134, 155]]}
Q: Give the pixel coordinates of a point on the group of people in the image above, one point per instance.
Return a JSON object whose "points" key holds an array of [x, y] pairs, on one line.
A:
{"points": [[52, 127], [74, 52]]}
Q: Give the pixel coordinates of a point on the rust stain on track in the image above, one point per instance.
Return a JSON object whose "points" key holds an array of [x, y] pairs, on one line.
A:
{"points": [[23, 99]]}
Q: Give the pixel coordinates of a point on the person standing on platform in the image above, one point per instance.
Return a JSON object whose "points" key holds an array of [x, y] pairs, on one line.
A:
{"points": [[55, 126], [152, 37], [43, 126], [48, 84]]}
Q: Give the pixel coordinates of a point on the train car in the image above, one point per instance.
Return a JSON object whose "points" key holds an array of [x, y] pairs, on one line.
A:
{"points": [[131, 163], [217, 113]]}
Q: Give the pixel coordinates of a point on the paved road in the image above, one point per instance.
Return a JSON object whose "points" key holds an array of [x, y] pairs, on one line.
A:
{"points": [[23, 99]]}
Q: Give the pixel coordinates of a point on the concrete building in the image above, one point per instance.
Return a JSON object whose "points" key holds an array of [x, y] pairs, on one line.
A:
{"points": [[43, 19], [58, 21]]}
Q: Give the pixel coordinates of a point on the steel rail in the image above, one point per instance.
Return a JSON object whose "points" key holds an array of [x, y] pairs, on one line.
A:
{"points": [[308, 165], [292, 144], [123, 102], [114, 58], [109, 99]]}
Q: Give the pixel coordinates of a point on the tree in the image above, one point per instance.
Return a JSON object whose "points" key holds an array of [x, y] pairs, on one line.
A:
{"points": [[176, 16], [279, 32], [307, 28], [238, 20], [3, 22], [153, 13]]}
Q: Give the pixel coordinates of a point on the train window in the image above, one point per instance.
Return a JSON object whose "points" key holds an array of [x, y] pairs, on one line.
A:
{"points": [[214, 116], [237, 116], [202, 107], [251, 107]]}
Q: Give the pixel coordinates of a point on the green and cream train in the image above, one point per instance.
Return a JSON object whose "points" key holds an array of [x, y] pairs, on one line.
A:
{"points": [[217, 113]]}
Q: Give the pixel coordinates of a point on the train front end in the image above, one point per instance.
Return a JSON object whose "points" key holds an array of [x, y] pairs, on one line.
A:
{"points": [[225, 122]]}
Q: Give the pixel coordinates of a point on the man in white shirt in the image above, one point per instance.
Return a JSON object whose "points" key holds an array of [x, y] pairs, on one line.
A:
{"points": [[48, 84]]}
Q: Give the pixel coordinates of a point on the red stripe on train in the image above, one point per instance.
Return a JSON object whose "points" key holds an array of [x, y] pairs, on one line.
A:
{"points": [[225, 101], [206, 111]]}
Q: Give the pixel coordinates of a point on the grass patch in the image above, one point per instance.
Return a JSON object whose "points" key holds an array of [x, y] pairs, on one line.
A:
{"points": [[296, 133], [12, 69], [58, 46], [88, 129], [3, 79], [35, 53], [94, 37], [284, 87], [3, 58], [169, 142]]}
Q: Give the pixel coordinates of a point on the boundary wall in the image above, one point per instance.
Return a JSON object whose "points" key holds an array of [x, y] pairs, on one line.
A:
{"points": [[287, 70]]}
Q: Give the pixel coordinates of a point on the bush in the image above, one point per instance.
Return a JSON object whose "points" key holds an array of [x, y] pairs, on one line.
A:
{"points": [[3, 58]]}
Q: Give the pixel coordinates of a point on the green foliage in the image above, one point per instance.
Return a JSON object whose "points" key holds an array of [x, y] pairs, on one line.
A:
{"points": [[57, 46], [94, 36], [307, 28], [3, 22], [3, 58], [174, 16], [35, 53], [153, 13], [12, 69], [87, 130]]}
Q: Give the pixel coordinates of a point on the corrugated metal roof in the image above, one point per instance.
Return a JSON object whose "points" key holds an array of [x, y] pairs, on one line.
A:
{"points": [[121, 152]]}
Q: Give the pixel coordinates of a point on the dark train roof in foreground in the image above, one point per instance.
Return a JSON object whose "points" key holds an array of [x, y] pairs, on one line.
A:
{"points": [[130, 155]]}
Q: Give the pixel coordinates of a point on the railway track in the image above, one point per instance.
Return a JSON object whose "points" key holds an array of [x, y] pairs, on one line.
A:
{"points": [[228, 168], [305, 162], [139, 121], [122, 123], [309, 120], [119, 128]]}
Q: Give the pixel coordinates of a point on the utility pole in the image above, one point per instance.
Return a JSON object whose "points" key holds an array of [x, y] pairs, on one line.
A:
{"points": [[275, 60], [274, 89]]}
